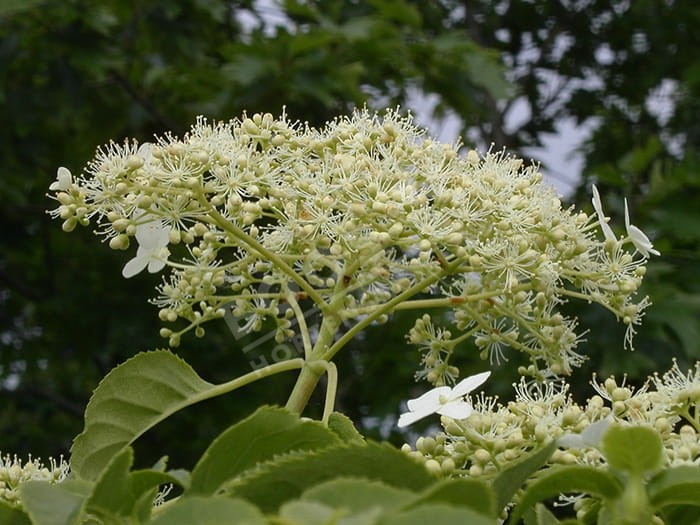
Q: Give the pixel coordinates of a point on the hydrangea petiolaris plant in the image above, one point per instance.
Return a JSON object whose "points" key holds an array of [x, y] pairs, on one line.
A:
{"points": [[324, 232]]}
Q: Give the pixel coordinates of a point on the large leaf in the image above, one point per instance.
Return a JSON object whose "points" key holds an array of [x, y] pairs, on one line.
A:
{"points": [[10, 515], [267, 433], [120, 492], [131, 399], [636, 450], [342, 425], [438, 513], [359, 495], [512, 478], [287, 477], [313, 513], [209, 511], [54, 503], [570, 478], [678, 485], [462, 492]]}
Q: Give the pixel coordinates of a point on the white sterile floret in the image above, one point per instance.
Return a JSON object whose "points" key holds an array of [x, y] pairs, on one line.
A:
{"points": [[443, 400], [638, 238], [63, 181], [602, 219], [153, 239]]}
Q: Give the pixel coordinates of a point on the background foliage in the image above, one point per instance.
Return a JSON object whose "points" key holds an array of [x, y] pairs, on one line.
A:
{"points": [[77, 73]]}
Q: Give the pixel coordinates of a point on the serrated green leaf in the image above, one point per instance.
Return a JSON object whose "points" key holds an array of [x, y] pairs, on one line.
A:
{"points": [[673, 486], [54, 503], [564, 479], [632, 449], [287, 477], [438, 513], [131, 399], [268, 432], [12, 515], [112, 493], [212, 510], [344, 428], [469, 493], [145, 485], [358, 495], [512, 478]]}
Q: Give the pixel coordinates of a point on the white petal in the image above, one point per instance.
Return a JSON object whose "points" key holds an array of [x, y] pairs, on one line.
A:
{"points": [[468, 384], [638, 237], [430, 399], [145, 151], [411, 417], [602, 219], [456, 409], [134, 266], [152, 235], [641, 241], [63, 181], [155, 265]]}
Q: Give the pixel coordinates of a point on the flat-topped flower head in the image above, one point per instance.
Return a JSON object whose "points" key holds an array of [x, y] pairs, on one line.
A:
{"points": [[357, 219], [444, 400]]}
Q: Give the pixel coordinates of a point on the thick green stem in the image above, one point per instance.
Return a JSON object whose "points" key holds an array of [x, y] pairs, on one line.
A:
{"points": [[304, 387], [312, 370]]}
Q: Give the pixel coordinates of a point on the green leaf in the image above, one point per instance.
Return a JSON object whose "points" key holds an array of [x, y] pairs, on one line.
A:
{"points": [[13, 7], [677, 485], [511, 479], [10, 515], [131, 399], [268, 432], [54, 503], [212, 510], [119, 492], [358, 495], [314, 513], [344, 428], [564, 479], [113, 492], [636, 450], [470, 493], [287, 477], [438, 513], [540, 515], [685, 514]]}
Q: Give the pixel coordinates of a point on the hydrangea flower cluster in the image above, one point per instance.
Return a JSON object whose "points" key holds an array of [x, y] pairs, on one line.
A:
{"points": [[13, 473], [494, 435], [272, 219]]}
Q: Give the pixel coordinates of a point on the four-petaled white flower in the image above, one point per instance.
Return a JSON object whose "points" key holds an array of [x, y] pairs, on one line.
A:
{"points": [[64, 180], [602, 219], [152, 251], [638, 238], [443, 400]]}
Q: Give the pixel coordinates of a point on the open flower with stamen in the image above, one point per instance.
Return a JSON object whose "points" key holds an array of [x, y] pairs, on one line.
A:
{"points": [[443, 400]]}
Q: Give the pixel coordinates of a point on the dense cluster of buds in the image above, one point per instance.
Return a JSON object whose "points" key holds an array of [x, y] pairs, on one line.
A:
{"points": [[495, 435], [13, 473], [272, 219]]}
